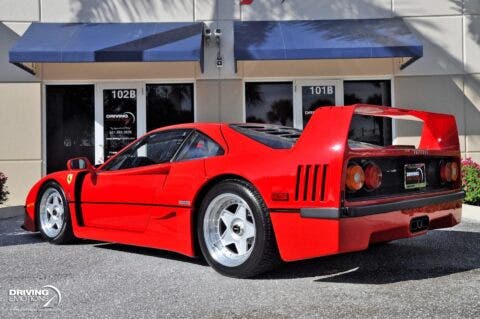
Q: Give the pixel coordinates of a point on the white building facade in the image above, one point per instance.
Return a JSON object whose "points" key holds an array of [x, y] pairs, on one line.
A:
{"points": [[66, 109]]}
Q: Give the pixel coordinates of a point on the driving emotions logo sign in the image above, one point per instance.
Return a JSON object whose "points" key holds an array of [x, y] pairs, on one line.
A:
{"points": [[47, 297], [126, 117]]}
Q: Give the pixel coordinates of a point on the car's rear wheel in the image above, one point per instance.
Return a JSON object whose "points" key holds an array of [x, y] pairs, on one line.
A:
{"points": [[53, 215], [234, 230]]}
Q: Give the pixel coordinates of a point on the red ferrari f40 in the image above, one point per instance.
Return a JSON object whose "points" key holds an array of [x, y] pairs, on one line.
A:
{"points": [[247, 196]]}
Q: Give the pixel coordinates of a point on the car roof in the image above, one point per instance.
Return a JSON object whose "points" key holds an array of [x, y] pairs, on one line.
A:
{"points": [[206, 125], [196, 125]]}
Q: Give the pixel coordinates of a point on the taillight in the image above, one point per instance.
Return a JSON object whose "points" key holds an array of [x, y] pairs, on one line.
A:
{"points": [[355, 177], [455, 170], [449, 171], [373, 176]]}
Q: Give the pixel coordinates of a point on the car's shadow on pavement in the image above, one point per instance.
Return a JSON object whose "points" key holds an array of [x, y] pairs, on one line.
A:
{"points": [[151, 252], [11, 234], [437, 254]]}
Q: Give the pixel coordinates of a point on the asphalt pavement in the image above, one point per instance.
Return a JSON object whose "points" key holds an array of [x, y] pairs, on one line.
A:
{"points": [[436, 275]]}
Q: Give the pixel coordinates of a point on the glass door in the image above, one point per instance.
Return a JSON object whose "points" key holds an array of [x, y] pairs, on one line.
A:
{"points": [[119, 117], [312, 94], [70, 129]]}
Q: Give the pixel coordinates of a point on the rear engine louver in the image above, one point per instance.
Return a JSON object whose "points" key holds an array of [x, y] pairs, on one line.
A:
{"points": [[310, 182]]}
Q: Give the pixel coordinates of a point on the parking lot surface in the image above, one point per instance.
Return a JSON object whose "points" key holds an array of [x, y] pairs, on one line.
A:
{"points": [[437, 275]]}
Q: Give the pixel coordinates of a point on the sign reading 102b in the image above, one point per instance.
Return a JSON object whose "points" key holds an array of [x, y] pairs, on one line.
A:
{"points": [[124, 94], [323, 89]]}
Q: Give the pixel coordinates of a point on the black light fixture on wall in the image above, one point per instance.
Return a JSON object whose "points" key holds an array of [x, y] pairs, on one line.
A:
{"points": [[216, 37]]}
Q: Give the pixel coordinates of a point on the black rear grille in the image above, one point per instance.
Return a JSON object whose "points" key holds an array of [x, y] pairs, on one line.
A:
{"points": [[310, 182]]}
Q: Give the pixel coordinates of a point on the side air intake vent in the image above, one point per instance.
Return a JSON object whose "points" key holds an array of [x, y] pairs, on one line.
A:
{"points": [[310, 182]]}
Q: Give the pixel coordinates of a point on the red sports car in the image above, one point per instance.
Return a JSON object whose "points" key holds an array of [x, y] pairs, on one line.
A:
{"points": [[246, 196]]}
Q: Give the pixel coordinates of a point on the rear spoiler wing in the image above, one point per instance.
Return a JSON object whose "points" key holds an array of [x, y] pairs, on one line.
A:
{"points": [[330, 126], [324, 140]]}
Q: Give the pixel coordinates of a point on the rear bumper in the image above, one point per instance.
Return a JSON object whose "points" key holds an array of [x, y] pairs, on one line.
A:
{"points": [[301, 238], [357, 211]]}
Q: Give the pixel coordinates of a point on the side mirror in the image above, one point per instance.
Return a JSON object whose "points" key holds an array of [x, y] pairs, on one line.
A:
{"points": [[80, 163]]}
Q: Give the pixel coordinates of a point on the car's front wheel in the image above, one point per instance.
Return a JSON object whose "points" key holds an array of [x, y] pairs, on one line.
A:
{"points": [[53, 215], [234, 230]]}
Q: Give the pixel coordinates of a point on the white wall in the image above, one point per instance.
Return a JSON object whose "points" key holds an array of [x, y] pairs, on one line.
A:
{"points": [[116, 10], [20, 137], [19, 10], [442, 39], [20, 105], [317, 9], [417, 8]]}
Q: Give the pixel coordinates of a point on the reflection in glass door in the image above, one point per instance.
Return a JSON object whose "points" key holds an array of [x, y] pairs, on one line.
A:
{"points": [[269, 102], [310, 95], [369, 129], [169, 104], [70, 129]]}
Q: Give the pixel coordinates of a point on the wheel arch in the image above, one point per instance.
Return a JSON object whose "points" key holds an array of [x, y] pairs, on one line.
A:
{"points": [[41, 188], [200, 195]]}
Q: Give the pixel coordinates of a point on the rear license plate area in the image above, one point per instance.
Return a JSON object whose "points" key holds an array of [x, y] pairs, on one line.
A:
{"points": [[414, 176], [419, 224]]}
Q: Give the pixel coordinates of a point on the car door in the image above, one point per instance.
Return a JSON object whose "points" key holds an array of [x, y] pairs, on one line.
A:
{"points": [[187, 172], [122, 192]]}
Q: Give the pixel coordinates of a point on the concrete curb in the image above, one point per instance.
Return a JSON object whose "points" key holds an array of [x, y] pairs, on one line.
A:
{"points": [[11, 211], [471, 212]]}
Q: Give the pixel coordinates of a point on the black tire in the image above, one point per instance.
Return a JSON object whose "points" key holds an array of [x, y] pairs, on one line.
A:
{"points": [[264, 254], [65, 234]]}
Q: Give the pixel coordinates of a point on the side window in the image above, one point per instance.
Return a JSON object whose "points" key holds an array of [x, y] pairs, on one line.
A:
{"points": [[199, 146], [155, 148]]}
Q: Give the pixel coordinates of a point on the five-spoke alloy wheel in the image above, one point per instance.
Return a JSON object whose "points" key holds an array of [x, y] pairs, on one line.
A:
{"points": [[229, 229], [53, 215], [234, 230]]}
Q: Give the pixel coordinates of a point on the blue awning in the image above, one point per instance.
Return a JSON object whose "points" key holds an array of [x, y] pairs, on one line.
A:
{"points": [[110, 42], [325, 39]]}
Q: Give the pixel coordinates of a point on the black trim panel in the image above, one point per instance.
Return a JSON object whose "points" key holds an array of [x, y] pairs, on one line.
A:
{"points": [[404, 204], [324, 213], [78, 195], [334, 213], [136, 204]]}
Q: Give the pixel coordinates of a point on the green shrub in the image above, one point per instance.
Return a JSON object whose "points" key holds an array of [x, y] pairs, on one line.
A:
{"points": [[3, 188], [471, 181]]}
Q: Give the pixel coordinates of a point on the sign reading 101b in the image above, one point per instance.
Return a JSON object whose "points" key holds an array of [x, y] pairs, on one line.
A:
{"points": [[322, 89], [120, 119], [314, 96]]}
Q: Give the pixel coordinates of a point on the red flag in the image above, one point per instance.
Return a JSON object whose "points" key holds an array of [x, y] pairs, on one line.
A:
{"points": [[246, 2]]}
